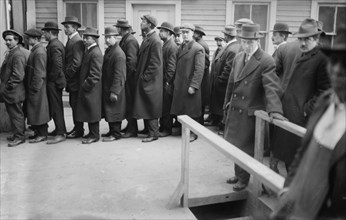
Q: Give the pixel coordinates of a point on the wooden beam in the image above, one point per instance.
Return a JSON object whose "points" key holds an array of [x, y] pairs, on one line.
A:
{"points": [[185, 164], [175, 198], [259, 149], [229, 197]]}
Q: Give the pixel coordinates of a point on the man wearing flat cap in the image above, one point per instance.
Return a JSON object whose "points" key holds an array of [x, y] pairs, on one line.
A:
{"points": [[113, 85], [130, 46], [280, 35], [12, 90], [252, 85], [74, 51], [56, 81], [89, 104], [308, 80], [37, 106], [187, 98], [149, 89], [169, 55]]}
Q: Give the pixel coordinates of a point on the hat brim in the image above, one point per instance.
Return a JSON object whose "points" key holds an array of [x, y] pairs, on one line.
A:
{"points": [[111, 35], [251, 38], [166, 29], [183, 28], [93, 35], [7, 32], [122, 25], [229, 34], [71, 22], [289, 32], [50, 28], [298, 35], [202, 32]]}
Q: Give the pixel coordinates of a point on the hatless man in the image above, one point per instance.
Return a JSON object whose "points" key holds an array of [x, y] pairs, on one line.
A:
{"points": [[56, 81], [280, 35], [169, 55]]}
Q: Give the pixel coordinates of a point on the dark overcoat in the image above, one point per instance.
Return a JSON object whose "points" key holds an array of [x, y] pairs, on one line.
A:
{"points": [[12, 74], [113, 81], [169, 53], [189, 73], [74, 51], [223, 67], [56, 63], [309, 79], [205, 87], [149, 89], [89, 103], [252, 87], [213, 73], [37, 106]]}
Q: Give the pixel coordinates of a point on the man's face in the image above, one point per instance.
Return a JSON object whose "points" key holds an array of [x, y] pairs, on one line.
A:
{"points": [[249, 45], [187, 35], [145, 24], [31, 40], [110, 40], [88, 40], [219, 43], [337, 73], [196, 36], [277, 38], [178, 39], [10, 41], [69, 29], [164, 34], [47, 35], [307, 43]]}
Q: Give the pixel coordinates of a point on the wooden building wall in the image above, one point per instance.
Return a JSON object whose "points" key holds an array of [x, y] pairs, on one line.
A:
{"points": [[114, 10], [46, 10]]}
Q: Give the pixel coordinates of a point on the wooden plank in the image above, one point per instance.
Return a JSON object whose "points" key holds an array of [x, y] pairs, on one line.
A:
{"points": [[174, 200], [185, 164], [259, 149], [228, 197]]}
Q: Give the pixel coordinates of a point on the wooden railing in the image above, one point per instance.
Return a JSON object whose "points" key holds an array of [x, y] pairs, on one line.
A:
{"points": [[260, 172]]}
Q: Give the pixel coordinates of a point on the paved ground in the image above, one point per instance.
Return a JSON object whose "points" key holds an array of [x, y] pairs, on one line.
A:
{"points": [[125, 179]]}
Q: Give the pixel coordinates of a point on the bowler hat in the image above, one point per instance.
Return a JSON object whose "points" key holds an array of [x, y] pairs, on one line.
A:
{"points": [[50, 25], [90, 31], [219, 38], [230, 30], [176, 30], [122, 23], [251, 31], [240, 22], [13, 32], [150, 18], [308, 28], [167, 26], [281, 27], [111, 31], [33, 33], [71, 20], [188, 26], [199, 29], [339, 45]]}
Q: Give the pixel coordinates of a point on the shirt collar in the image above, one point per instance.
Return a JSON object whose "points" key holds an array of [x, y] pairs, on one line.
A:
{"points": [[72, 35], [277, 46], [92, 45], [250, 55], [229, 42]]}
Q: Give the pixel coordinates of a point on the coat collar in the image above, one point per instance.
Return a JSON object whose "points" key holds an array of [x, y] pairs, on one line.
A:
{"points": [[146, 43], [187, 47], [251, 65], [306, 56], [219, 54]]}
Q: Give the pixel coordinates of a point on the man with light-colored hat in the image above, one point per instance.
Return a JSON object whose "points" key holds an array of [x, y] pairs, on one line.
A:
{"points": [[240, 22], [252, 85], [280, 35]]}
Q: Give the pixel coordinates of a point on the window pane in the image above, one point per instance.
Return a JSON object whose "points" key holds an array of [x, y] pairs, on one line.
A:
{"points": [[341, 16], [326, 40], [263, 41], [241, 11], [260, 15], [73, 9], [89, 14], [326, 15]]}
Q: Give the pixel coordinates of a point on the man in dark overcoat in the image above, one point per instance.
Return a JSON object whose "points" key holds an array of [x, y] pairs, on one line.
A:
{"points": [[187, 98], [56, 81], [113, 85], [149, 89], [169, 53], [252, 85], [37, 106], [280, 35], [12, 90], [89, 102], [308, 80], [130, 46], [74, 51]]}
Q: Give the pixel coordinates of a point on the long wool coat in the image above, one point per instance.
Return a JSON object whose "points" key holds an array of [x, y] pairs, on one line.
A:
{"points": [[189, 73], [252, 87], [37, 106], [90, 93], [223, 66], [113, 81], [56, 63], [149, 88], [205, 86]]}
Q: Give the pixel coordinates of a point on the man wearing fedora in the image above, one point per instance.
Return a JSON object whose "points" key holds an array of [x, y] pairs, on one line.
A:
{"points": [[149, 88], [37, 106], [89, 104], [12, 90], [280, 35], [113, 85], [223, 67], [308, 80], [252, 85], [56, 81], [187, 98], [74, 51], [130, 46], [169, 55], [198, 37]]}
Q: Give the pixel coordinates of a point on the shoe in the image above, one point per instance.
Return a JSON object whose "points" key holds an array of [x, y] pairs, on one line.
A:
{"points": [[176, 133], [144, 131], [110, 138], [70, 132], [75, 134], [193, 137], [220, 133], [10, 138], [164, 134], [149, 139], [57, 139], [210, 123], [53, 133], [32, 136], [15, 142], [128, 135], [38, 139], [106, 134], [86, 136], [239, 186], [232, 180], [90, 140], [124, 130]]}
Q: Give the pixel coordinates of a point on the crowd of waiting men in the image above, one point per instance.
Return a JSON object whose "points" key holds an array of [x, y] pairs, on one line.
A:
{"points": [[171, 74]]}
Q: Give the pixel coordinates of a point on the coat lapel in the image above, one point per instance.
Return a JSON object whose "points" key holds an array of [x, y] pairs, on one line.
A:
{"points": [[182, 52], [339, 151], [251, 65]]}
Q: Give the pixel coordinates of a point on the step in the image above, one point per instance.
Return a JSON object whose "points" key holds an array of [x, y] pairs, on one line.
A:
{"points": [[242, 218], [220, 198]]}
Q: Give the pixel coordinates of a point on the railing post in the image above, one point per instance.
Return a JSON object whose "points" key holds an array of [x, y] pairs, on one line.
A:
{"points": [[259, 149], [185, 164]]}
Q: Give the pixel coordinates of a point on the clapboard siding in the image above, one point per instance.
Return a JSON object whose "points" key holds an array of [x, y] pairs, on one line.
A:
{"points": [[46, 10], [114, 10]]}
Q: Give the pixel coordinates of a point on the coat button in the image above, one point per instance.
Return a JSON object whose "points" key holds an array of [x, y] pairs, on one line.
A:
{"points": [[235, 95], [243, 97], [245, 82], [232, 108], [240, 111]]}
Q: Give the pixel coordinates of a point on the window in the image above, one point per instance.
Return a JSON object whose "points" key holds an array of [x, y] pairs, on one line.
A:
{"points": [[86, 12], [332, 16]]}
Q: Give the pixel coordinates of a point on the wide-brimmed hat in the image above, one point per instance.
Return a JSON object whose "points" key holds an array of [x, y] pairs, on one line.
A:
{"points": [[187, 26], [13, 32], [122, 23], [51, 25], [281, 27], [230, 30], [167, 26], [33, 33], [199, 29], [308, 28], [71, 20], [240, 22], [339, 45], [90, 31], [251, 31], [150, 18], [177, 30], [111, 31], [219, 38]]}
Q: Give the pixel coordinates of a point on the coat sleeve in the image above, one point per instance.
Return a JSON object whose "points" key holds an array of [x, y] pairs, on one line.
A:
{"points": [[171, 64], [78, 52], [119, 75], [228, 66], [278, 62], [198, 72], [57, 63], [18, 71], [229, 88], [155, 61], [95, 72], [39, 71], [132, 48]]}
